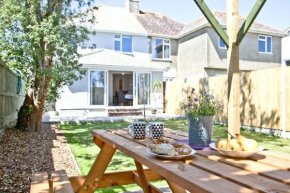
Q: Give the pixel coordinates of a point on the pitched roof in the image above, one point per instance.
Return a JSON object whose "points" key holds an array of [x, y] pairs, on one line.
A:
{"points": [[156, 23], [222, 19], [111, 18]]}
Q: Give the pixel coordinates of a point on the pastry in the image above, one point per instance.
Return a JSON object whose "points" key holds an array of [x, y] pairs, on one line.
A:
{"points": [[183, 150], [165, 146], [162, 140], [163, 149]]}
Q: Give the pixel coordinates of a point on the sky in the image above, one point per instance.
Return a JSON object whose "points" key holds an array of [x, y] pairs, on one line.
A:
{"points": [[275, 13]]}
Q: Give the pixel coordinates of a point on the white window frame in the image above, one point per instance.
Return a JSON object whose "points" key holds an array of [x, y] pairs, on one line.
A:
{"points": [[265, 40], [121, 43], [163, 44], [222, 48], [135, 97], [105, 87]]}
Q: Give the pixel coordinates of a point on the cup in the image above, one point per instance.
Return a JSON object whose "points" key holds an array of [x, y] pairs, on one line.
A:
{"points": [[137, 130], [155, 130]]}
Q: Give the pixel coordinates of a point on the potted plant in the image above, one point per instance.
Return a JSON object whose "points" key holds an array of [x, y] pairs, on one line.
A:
{"points": [[200, 109], [156, 85]]}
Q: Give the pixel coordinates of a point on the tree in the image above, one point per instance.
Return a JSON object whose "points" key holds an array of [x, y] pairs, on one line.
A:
{"points": [[40, 39]]}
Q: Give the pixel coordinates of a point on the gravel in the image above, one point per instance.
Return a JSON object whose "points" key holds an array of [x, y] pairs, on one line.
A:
{"points": [[22, 153]]}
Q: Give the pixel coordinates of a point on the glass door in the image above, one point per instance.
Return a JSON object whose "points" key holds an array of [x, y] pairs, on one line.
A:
{"points": [[143, 88], [98, 85]]}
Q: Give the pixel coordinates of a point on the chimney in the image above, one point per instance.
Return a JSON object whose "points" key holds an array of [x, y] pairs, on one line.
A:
{"points": [[132, 6]]}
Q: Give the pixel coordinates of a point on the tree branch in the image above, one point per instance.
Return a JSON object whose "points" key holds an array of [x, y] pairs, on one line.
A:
{"points": [[38, 13]]}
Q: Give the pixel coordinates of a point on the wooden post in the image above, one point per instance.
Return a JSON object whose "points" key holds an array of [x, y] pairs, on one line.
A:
{"points": [[232, 41], [233, 68]]}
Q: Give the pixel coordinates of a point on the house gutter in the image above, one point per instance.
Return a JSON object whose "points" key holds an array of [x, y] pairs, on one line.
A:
{"points": [[122, 32], [124, 68]]}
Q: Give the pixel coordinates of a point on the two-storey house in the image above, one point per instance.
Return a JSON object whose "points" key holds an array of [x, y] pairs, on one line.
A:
{"points": [[286, 48], [135, 48]]}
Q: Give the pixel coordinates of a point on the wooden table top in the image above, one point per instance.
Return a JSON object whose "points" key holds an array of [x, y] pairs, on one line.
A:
{"points": [[207, 171]]}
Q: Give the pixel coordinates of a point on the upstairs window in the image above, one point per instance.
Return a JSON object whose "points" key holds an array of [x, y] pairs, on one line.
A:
{"points": [[161, 49], [222, 45], [123, 43], [265, 44]]}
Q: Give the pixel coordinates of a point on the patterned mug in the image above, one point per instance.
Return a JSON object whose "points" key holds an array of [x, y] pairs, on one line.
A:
{"points": [[137, 130], [155, 130]]}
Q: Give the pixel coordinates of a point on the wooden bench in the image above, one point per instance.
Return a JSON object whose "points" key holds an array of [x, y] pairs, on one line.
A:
{"points": [[58, 182]]}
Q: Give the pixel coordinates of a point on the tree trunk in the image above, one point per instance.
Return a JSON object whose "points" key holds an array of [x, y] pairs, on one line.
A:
{"points": [[30, 114]]}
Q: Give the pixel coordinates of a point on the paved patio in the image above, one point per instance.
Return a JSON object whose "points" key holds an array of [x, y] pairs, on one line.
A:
{"points": [[50, 117]]}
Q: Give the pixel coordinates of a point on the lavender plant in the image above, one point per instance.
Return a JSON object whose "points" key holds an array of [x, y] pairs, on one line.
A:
{"points": [[203, 103]]}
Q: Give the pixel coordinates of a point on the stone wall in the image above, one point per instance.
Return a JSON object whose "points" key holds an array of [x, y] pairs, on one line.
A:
{"points": [[10, 100]]}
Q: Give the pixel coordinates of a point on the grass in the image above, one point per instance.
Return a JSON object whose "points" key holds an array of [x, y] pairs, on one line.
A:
{"points": [[85, 151]]}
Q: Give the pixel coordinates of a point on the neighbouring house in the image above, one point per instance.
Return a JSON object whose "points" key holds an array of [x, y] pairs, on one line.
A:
{"points": [[133, 48], [286, 48]]}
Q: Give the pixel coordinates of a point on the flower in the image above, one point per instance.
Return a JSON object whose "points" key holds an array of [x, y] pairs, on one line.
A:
{"points": [[203, 103]]}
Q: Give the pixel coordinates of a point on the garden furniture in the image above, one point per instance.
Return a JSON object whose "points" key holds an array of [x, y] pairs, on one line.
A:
{"points": [[205, 171]]}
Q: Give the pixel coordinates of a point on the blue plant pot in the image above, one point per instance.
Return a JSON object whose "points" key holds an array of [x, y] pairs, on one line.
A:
{"points": [[200, 130]]}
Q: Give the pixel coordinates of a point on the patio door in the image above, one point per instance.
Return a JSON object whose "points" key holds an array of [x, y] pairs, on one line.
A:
{"points": [[142, 88], [98, 88]]}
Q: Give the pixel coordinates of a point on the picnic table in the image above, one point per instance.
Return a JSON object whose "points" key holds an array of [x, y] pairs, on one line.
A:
{"points": [[205, 171]]}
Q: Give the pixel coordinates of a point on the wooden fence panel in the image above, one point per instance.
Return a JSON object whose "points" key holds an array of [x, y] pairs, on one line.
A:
{"points": [[10, 101], [261, 96]]}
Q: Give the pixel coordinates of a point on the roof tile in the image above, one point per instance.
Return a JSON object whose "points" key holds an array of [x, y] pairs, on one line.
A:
{"points": [[222, 19], [158, 24]]}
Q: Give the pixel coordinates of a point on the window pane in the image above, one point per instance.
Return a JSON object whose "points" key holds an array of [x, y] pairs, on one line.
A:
{"points": [[143, 88], [269, 44], [262, 37], [117, 46], [222, 44], [126, 44], [117, 36], [166, 51], [262, 45], [288, 63], [97, 85], [157, 48]]}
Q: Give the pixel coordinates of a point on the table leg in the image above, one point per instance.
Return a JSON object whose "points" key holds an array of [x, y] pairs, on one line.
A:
{"points": [[142, 177], [98, 169], [175, 188]]}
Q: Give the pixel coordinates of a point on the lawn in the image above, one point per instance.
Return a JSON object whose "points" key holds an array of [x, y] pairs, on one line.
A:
{"points": [[85, 151]]}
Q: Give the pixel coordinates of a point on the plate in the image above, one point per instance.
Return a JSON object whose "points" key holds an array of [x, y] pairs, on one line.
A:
{"points": [[170, 157], [235, 154]]}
